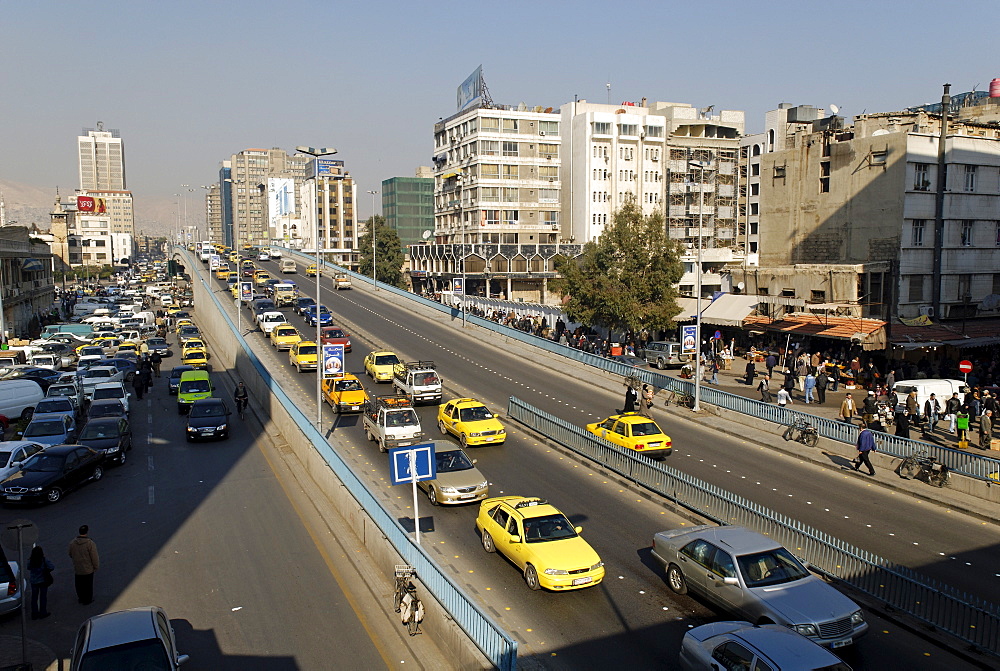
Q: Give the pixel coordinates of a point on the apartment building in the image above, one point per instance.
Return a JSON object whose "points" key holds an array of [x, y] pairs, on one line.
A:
{"points": [[329, 195], [249, 172], [408, 205], [101, 159], [213, 214]]}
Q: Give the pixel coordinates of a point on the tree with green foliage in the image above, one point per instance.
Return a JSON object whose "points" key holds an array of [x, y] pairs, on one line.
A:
{"points": [[625, 280], [388, 253]]}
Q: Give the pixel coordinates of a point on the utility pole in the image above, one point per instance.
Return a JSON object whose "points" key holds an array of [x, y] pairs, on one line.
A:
{"points": [[942, 180]]}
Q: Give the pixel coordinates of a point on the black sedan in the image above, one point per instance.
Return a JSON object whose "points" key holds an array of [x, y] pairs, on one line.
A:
{"points": [[106, 407], [208, 418], [174, 380], [302, 303], [109, 435], [51, 473], [159, 345]]}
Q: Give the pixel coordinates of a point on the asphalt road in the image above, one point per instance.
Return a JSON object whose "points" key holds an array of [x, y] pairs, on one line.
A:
{"points": [[632, 618], [210, 533]]}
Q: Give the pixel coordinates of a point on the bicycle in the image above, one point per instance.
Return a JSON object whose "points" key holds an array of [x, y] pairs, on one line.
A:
{"points": [[801, 431], [406, 602], [921, 466], [241, 406], [681, 398]]}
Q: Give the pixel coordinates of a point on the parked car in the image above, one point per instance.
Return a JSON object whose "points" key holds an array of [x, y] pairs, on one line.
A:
{"points": [[12, 588], [51, 430], [113, 390], [45, 377], [137, 638], [302, 303], [49, 408], [208, 418], [18, 397], [13, 453], [51, 473], [741, 645], [111, 436], [68, 390], [106, 407], [746, 573]]}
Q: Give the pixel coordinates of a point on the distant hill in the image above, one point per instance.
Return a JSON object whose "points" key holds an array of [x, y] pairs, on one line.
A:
{"points": [[25, 205]]}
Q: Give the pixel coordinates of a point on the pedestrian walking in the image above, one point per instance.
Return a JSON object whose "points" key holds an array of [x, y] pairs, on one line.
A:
{"points": [[848, 409], [809, 386], [765, 392], [146, 373], [986, 429], [630, 398], [865, 446], [822, 382], [784, 398], [156, 360], [139, 385], [770, 362], [83, 552], [869, 409], [714, 368], [646, 401], [951, 408], [40, 576], [751, 373], [932, 409]]}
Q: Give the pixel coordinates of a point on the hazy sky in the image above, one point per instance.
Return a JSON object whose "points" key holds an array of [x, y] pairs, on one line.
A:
{"points": [[190, 83]]}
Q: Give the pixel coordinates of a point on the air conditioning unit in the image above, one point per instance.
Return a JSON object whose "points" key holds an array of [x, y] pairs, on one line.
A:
{"points": [[926, 310]]}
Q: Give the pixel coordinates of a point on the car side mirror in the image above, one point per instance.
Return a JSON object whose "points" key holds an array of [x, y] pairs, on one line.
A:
{"points": [[731, 581], [515, 539], [20, 433], [17, 464], [475, 461], [578, 530]]}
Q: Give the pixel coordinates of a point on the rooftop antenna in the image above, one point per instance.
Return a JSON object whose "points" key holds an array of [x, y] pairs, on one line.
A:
{"points": [[608, 85]]}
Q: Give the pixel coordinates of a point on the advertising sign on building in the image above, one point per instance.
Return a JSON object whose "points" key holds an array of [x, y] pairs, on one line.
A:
{"points": [[328, 166], [280, 198], [85, 203], [471, 90], [333, 360]]}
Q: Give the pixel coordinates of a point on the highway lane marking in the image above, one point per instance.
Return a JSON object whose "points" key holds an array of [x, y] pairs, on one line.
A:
{"points": [[149, 463], [152, 496]]}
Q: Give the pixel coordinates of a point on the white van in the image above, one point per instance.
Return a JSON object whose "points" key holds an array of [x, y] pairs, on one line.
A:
{"points": [[942, 390], [288, 266], [19, 397]]}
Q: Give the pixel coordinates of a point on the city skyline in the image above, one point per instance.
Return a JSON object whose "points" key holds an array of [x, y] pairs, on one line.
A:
{"points": [[188, 87]]}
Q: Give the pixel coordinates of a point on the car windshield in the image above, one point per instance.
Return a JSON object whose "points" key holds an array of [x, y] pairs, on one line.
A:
{"points": [[106, 410], [194, 386], [425, 378], [645, 429], [773, 567], [51, 427], [156, 342], [97, 373], [451, 461], [334, 333], [109, 392], [348, 385], [548, 528], [475, 414], [50, 463], [308, 349], [148, 654], [189, 330], [193, 355], [53, 405], [62, 391], [208, 410], [286, 333], [402, 418], [99, 431]]}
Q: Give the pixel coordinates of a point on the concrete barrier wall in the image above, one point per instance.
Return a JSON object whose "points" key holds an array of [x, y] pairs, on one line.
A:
{"points": [[231, 356]]}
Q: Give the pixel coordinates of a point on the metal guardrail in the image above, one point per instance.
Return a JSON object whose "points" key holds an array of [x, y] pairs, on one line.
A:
{"points": [[980, 467], [963, 615], [498, 646]]}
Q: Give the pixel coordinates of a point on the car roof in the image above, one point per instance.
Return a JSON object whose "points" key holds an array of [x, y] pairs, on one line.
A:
{"points": [[123, 626], [465, 402], [541, 508], [11, 445], [181, 369], [106, 401], [741, 540], [785, 648], [208, 401], [64, 449]]}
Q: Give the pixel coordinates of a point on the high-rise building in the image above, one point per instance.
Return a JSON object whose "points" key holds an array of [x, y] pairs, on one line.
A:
{"points": [[408, 206], [250, 171], [329, 195], [213, 214], [101, 159]]}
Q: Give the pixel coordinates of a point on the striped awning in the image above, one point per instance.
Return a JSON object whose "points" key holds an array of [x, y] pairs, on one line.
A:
{"points": [[32, 265]]}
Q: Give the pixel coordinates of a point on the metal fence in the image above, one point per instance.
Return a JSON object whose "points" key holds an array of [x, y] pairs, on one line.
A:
{"points": [[498, 646], [963, 615]]}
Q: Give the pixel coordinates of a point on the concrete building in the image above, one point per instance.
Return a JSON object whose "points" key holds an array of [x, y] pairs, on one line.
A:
{"points": [[329, 195], [226, 203], [496, 204], [213, 214], [101, 159], [867, 195], [249, 172], [673, 158], [83, 235], [26, 287], [408, 205]]}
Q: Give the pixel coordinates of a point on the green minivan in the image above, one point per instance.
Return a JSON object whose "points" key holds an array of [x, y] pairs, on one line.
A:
{"points": [[194, 386]]}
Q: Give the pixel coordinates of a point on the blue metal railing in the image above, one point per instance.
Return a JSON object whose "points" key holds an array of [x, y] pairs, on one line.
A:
{"points": [[498, 646], [963, 615]]}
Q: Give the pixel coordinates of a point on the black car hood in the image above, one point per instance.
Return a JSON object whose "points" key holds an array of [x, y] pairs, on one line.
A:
{"points": [[206, 422], [31, 479], [99, 443]]}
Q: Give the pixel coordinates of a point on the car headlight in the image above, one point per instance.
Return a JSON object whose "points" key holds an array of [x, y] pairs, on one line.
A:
{"points": [[597, 566], [808, 630], [221, 427], [448, 490], [484, 484], [475, 434], [857, 617], [556, 571], [36, 489]]}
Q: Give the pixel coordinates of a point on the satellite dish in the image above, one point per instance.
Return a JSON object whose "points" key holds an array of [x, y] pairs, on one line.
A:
{"points": [[426, 235], [834, 109], [880, 131], [740, 286]]}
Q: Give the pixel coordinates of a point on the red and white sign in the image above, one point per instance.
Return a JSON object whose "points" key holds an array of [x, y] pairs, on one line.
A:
{"points": [[85, 203], [965, 366]]}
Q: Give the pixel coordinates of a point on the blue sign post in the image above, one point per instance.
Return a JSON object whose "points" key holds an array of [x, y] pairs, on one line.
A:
{"points": [[412, 464]]}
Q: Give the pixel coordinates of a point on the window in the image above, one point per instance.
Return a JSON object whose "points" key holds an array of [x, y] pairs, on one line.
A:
{"points": [[489, 171], [918, 233], [996, 283], [509, 195], [628, 129], [489, 194], [964, 287], [551, 218], [879, 157], [916, 288], [779, 171], [602, 128], [548, 195], [824, 179], [998, 233], [920, 181], [510, 217], [654, 131], [967, 225], [788, 293], [491, 217], [489, 147], [510, 125], [970, 178], [550, 172], [548, 127], [489, 124], [510, 172], [548, 150], [818, 296], [510, 149]]}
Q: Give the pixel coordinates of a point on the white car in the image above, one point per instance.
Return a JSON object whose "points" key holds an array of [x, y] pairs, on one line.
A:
{"points": [[68, 390], [268, 320], [13, 453], [115, 390], [96, 375], [263, 256]]}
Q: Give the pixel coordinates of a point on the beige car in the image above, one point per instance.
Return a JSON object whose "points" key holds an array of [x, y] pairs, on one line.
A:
{"points": [[458, 480]]}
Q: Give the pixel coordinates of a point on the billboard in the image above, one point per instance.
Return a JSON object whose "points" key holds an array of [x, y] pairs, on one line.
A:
{"points": [[471, 90], [280, 199], [333, 360], [328, 166], [689, 339], [91, 204]]}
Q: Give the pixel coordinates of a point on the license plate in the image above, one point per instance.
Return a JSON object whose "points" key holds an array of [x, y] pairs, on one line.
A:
{"points": [[355, 407], [841, 644], [656, 444], [466, 497], [14, 497], [582, 581], [208, 430]]}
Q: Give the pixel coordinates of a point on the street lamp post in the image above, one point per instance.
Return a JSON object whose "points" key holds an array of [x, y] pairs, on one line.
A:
{"points": [[697, 329], [315, 153], [374, 281]]}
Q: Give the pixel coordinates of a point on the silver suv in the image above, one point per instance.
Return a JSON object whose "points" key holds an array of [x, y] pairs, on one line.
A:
{"points": [[666, 355]]}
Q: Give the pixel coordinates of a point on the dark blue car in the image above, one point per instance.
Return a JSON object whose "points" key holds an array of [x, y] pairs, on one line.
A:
{"points": [[325, 317]]}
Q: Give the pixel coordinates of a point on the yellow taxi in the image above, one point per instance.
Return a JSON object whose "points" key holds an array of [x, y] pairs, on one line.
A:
{"points": [[635, 432], [260, 279], [129, 346], [234, 287], [234, 257], [173, 309], [345, 393], [193, 343], [283, 336], [302, 355], [540, 541], [181, 323], [379, 365], [222, 273], [195, 357], [471, 422], [311, 270]]}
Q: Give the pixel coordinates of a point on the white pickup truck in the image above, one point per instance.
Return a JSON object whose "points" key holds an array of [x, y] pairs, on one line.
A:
{"points": [[418, 380], [391, 421]]}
